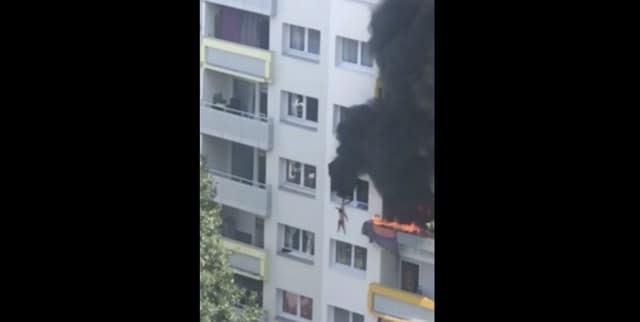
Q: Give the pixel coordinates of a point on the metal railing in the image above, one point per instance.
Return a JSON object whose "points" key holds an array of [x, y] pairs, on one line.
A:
{"points": [[254, 116], [230, 176]]}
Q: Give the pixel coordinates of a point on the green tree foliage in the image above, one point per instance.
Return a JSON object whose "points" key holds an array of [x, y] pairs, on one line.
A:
{"points": [[220, 299]]}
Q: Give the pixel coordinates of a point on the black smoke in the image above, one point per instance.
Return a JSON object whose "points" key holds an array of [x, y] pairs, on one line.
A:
{"points": [[391, 137]]}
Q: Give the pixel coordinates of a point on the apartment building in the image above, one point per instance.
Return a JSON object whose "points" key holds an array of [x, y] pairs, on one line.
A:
{"points": [[276, 79]]}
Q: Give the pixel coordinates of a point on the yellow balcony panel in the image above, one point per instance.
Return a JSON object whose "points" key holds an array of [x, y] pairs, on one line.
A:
{"points": [[396, 305], [246, 260], [236, 59]]}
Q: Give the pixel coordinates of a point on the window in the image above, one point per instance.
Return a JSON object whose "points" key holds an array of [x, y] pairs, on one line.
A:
{"points": [[410, 273], [350, 255], [300, 175], [353, 52], [342, 315], [296, 305], [343, 253], [298, 242], [360, 198], [300, 109], [365, 55], [339, 115], [302, 41], [242, 27]]}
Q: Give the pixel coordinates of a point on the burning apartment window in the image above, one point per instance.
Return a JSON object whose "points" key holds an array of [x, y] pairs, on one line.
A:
{"points": [[342, 315], [296, 305], [302, 41], [350, 255], [298, 174], [360, 197], [301, 109], [353, 52], [298, 241]]}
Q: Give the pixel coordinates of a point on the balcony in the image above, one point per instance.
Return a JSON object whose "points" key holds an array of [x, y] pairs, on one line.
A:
{"points": [[236, 59], [246, 260], [263, 7], [424, 244], [396, 305], [242, 194], [238, 126]]}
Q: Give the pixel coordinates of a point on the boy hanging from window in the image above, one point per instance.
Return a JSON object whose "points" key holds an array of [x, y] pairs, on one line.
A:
{"points": [[343, 216]]}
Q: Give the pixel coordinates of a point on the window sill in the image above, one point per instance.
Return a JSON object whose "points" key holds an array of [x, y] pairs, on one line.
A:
{"points": [[309, 58], [284, 319], [348, 270], [298, 191], [294, 257], [351, 205], [356, 68], [300, 125], [369, 2]]}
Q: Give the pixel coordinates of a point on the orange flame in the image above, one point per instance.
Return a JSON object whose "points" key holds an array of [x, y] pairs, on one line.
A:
{"points": [[409, 228]]}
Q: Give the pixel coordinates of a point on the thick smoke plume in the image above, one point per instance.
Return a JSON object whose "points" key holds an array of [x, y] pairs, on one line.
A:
{"points": [[391, 137]]}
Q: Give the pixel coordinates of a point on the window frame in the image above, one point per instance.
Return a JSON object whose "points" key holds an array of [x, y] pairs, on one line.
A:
{"points": [[358, 65], [298, 296], [305, 53], [302, 187], [301, 239], [350, 313], [289, 99], [355, 203], [352, 258]]}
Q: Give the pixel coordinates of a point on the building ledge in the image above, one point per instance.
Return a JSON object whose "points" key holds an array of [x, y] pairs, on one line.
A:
{"points": [[295, 258], [284, 187]]}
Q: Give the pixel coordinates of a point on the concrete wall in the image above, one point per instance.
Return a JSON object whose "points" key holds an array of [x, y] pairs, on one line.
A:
{"points": [[298, 144], [345, 87]]}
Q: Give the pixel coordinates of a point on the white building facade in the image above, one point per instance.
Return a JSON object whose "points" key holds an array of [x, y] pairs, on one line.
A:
{"points": [[275, 75]]}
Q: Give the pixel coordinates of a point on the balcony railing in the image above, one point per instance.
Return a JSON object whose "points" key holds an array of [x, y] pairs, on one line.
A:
{"points": [[242, 193], [246, 260], [236, 59], [399, 306], [238, 126]]}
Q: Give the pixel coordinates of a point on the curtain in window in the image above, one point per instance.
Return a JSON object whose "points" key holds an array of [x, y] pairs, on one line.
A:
{"points": [[306, 307], [310, 176], [360, 258], [365, 55], [296, 38], [357, 317], [343, 253], [312, 109], [307, 242], [290, 302], [340, 315], [349, 50], [293, 172], [230, 24], [245, 92], [314, 41], [249, 30]]}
